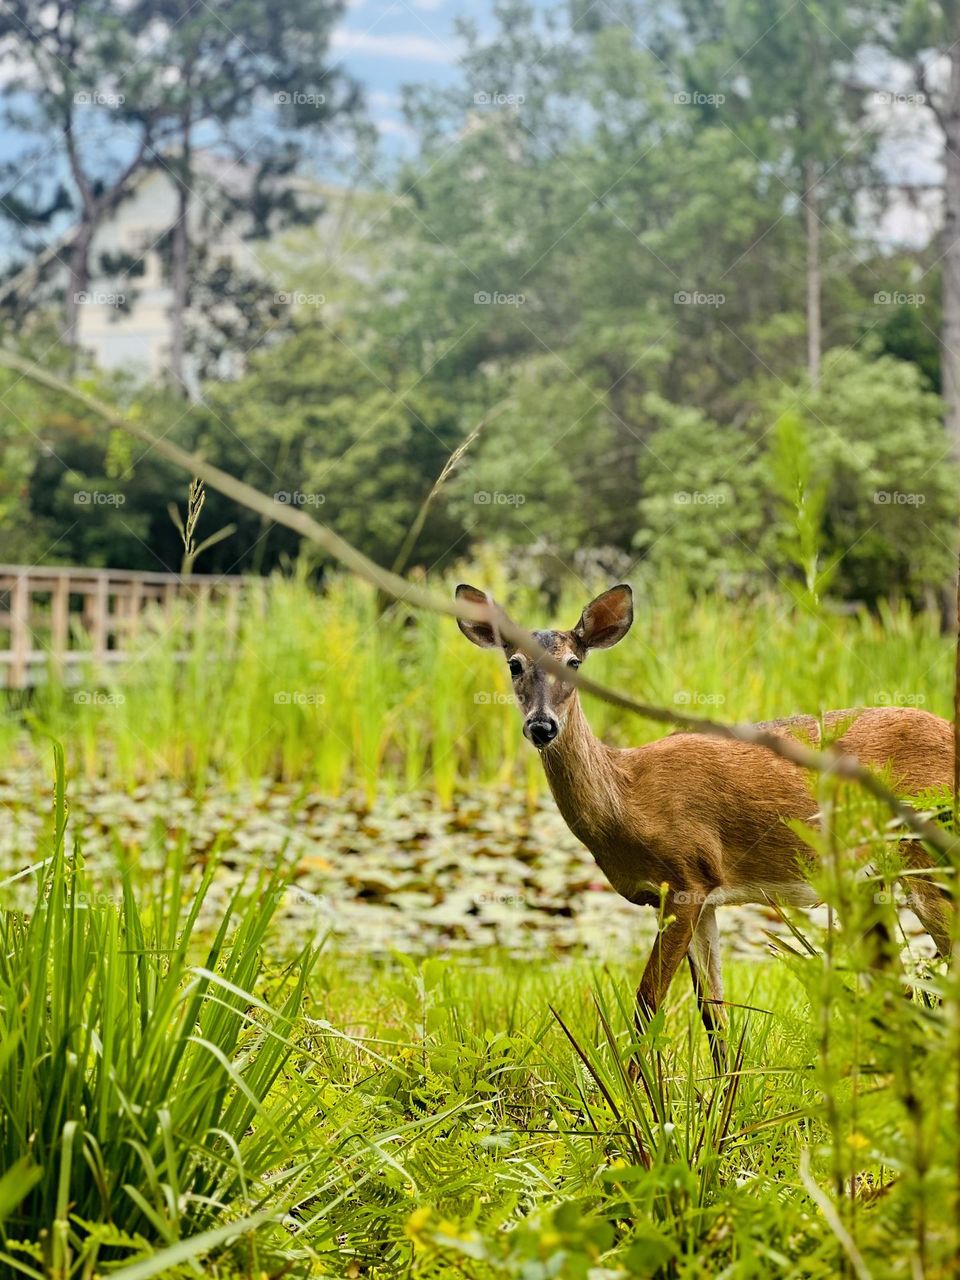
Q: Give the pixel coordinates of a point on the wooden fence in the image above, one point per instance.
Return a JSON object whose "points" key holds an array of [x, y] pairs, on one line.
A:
{"points": [[59, 617]]}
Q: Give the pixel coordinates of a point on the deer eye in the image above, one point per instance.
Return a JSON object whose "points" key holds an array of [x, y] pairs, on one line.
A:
{"points": [[516, 667], [573, 662]]}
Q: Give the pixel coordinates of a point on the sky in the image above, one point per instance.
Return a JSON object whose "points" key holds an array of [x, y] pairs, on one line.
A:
{"points": [[385, 44]]}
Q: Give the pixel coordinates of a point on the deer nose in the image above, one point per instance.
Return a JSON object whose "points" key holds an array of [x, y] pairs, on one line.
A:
{"points": [[542, 730]]}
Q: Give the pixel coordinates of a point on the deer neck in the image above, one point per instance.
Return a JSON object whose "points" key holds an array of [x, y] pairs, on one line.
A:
{"points": [[586, 781]]}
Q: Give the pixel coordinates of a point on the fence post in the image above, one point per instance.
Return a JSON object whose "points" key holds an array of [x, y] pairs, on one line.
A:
{"points": [[60, 622], [134, 605], [20, 631], [98, 631]]}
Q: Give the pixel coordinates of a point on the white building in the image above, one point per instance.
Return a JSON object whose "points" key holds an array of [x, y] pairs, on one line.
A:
{"points": [[124, 321]]}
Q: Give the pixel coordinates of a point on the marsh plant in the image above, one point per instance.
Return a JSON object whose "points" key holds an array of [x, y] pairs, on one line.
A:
{"points": [[329, 688], [178, 1100]]}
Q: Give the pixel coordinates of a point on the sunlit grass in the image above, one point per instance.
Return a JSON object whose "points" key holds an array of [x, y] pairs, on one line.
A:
{"points": [[179, 1100], [326, 688], [472, 1116]]}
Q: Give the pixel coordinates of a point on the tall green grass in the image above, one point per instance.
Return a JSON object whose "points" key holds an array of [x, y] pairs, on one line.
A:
{"points": [[151, 1096], [827, 1147], [178, 1103], [323, 687]]}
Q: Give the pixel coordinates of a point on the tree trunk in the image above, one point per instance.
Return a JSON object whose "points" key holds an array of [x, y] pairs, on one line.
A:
{"points": [[78, 282], [179, 284], [950, 327], [180, 257], [810, 206]]}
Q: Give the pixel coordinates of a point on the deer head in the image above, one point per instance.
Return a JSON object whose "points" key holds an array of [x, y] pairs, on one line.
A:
{"points": [[543, 700]]}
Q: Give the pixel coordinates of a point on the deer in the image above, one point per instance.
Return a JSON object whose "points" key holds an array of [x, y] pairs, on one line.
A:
{"points": [[692, 822]]}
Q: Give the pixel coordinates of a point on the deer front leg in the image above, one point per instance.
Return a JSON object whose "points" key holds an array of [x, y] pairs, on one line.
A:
{"points": [[671, 945], [704, 959]]}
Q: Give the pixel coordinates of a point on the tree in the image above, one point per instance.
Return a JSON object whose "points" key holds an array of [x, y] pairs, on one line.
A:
{"points": [[221, 67], [579, 247], [79, 69], [115, 89], [781, 76], [714, 512], [321, 422], [923, 37]]}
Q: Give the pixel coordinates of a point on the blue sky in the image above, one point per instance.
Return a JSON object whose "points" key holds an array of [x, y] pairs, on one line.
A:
{"points": [[385, 44]]}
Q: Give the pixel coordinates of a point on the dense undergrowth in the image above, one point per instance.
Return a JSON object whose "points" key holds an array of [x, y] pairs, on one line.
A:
{"points": [[178, 1102]]}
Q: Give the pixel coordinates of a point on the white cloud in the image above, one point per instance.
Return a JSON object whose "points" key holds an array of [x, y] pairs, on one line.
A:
{"points": [[429, 5], [415, 48], [393, 128]]}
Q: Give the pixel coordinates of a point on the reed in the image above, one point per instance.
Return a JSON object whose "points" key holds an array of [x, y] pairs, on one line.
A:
{"points": [[324, 687]]}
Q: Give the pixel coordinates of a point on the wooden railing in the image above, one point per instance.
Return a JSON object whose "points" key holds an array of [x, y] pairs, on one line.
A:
{"points": [[59, 617]]}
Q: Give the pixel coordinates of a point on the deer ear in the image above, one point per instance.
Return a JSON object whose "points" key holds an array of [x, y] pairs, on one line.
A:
{"points": [[480, 633], [606, 620]]}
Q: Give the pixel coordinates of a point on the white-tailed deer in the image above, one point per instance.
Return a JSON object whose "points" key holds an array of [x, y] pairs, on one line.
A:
{"points": [[707, 817]]}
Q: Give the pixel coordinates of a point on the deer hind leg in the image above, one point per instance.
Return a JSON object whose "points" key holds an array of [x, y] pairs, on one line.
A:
{"points": [[703, 956], [929, 901]]}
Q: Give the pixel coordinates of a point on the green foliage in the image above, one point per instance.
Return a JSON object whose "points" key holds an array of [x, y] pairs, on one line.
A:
{"points": [[582, 240], [700, 513], [177, 1093], [148, 1084], [471, 1116], [791, 471], [323, 422], [848, 480]]}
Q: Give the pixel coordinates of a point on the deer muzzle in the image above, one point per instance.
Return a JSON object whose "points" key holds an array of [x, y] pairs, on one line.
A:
{"points": [[541, 729]]}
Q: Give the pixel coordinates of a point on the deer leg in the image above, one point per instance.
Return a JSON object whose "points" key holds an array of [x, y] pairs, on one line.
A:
{"points": [[930, 902], [671, 945], [703, 956]]}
